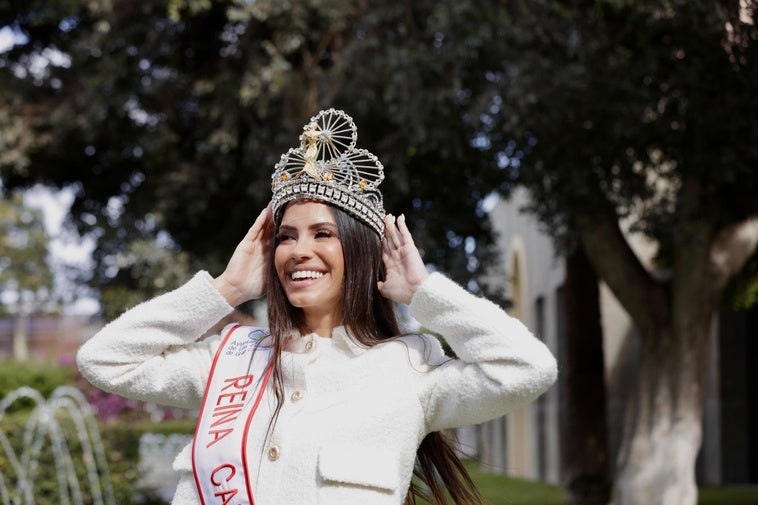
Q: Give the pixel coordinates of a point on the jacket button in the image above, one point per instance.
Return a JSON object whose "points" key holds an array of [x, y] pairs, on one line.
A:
{"points": [[273, 453], [296, 396], [309, 345]]}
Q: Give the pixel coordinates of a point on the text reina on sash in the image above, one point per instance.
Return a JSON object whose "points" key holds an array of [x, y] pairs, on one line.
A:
{"points": [[228, 406], [234, 390]]}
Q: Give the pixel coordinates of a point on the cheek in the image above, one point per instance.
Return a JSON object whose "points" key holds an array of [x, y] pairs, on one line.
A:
{"points": [[280, 259], [340, 264], [337, 259]]}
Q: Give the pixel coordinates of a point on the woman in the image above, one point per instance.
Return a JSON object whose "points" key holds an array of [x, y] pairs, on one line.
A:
{"points": [[329, 405]]}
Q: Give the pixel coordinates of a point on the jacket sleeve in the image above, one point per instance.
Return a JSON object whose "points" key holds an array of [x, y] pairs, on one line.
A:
{"points": [[151, 352], [500, 365]]}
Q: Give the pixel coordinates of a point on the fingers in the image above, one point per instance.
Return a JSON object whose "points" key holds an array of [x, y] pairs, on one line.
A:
{"points": [[263, 220], [405, 233], [390, 232], [261, 226], [396, 232]]}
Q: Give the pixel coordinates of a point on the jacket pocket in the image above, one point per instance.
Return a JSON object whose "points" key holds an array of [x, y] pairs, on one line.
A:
{"points": [[358, 471]]}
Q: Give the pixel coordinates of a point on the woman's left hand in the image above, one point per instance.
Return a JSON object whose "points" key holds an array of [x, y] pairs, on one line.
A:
{"points": [[405, 268], [245, 275]]}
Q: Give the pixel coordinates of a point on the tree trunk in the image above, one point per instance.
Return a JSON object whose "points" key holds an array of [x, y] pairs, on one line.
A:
{"points": [[674, 313], [584, 442], [21, 338], [662, 429]]}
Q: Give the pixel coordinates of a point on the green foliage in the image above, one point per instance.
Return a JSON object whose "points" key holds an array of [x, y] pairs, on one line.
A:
{"points": [[15, 141], [504, 490], [742, 294], [121, 442], [727, 496], [498, 489], [643, 109], [45, 484], [42, 377], [145, 270], [168, 117], [120, 437], [24, 269]]}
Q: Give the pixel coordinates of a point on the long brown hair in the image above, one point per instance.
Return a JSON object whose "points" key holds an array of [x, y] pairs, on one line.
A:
{"points": [[369, 319]]}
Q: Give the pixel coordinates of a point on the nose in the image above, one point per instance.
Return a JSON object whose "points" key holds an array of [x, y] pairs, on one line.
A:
{"points": [[301, 249]]}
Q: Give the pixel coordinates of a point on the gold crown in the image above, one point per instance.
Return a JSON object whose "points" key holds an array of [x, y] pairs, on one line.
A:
{"points": [[328, 167]]}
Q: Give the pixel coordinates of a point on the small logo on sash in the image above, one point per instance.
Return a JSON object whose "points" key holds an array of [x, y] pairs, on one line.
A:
{"points": [[232, 395]]}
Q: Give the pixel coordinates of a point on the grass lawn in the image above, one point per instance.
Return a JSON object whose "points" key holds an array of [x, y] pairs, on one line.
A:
{"points": [[728, 496], [501, 490]]}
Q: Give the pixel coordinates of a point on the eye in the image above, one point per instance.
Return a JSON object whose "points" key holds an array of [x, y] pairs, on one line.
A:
{"points": [[324, 234], [284, 237]]}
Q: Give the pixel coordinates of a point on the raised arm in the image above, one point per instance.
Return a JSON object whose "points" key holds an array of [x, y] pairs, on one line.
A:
{"points": [[151, 351], [500, 365]]}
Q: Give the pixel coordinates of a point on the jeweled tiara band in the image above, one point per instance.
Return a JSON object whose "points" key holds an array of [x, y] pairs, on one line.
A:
{"points": [[327, 167]]}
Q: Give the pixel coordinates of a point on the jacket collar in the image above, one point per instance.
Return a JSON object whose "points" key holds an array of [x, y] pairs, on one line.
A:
{"points": [[340, 338]]}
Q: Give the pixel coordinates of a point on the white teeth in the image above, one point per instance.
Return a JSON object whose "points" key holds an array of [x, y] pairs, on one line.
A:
{"points": [[306, 274]]}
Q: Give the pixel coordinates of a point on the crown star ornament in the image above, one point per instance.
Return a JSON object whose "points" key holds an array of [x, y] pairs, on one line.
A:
{"points": [[328, 167]]}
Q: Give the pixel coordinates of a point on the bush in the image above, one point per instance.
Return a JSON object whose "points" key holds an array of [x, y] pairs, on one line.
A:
{"points": [[121, 424], [122, 447], [42, 377], [49, 468]]}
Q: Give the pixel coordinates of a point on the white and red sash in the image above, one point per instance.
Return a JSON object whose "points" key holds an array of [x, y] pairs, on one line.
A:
{"points": [[238, 378]]}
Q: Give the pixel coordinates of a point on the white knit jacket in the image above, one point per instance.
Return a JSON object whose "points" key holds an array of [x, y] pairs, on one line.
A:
{"points": [[350, 433]]}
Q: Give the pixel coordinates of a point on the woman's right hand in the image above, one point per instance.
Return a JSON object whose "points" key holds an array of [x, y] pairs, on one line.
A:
{"points": [[405, 270], [245, 275]]}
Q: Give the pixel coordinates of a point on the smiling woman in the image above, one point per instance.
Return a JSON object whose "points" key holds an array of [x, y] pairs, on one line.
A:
{"points": [[332, 361], [310, 265]]}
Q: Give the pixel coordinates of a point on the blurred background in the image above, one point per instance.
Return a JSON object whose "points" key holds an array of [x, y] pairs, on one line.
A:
{"points": [[590, 165]]}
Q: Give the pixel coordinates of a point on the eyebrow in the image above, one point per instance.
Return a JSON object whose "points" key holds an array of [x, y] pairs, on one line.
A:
{"points": [[310, 227]]}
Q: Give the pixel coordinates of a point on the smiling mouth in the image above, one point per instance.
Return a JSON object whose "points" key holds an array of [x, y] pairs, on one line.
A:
{"points": [[306, 274]]}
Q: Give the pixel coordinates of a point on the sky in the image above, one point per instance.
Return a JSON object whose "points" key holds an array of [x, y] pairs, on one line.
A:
{"points": [[8, 38], [67, 248]]}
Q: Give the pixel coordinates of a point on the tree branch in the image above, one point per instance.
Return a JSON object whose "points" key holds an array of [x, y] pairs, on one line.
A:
{"points": [[732, 247], [642, 296]]}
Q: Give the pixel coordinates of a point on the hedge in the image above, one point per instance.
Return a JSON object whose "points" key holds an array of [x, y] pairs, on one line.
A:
{"points": [[120, 429]]}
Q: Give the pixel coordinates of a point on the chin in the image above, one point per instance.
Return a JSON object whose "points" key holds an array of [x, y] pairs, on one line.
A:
{"points": [[303, 302], [313, 302]]}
